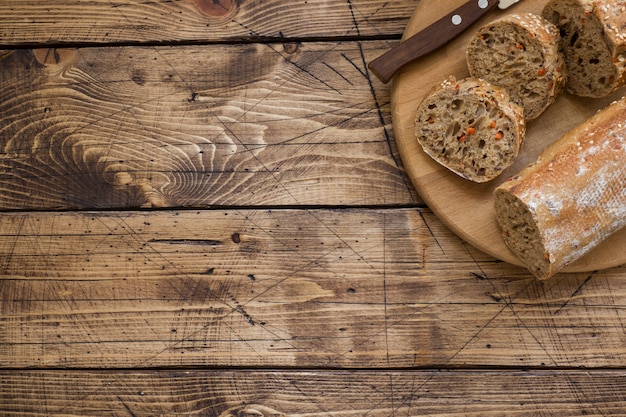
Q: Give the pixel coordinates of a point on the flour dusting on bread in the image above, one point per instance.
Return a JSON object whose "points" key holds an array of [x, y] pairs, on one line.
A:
{"points": [[571, 199]]}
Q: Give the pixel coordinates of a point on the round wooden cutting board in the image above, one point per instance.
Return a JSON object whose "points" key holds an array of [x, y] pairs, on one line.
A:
{"points": [[466, 207]]}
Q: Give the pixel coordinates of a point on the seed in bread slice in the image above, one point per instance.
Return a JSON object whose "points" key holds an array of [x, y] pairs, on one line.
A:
{"points": [[571, 199], [520, 53], [593, 41], [470, 127]]}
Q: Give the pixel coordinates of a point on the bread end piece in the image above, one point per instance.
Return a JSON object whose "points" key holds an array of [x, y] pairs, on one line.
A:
{"points": [[521, 233]]}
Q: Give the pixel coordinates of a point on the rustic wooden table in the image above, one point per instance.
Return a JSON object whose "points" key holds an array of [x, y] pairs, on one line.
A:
{"points": [[205, 213]]}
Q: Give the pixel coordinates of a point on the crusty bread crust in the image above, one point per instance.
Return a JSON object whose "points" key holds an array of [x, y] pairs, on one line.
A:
{"points": [[571, 199], [593, 41], [470, 127], [520, 52]]}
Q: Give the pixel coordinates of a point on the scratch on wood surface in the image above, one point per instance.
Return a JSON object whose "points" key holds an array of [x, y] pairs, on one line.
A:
{"points": [[285, 55], [224, 297], [508, 301], [377, 103], [431, 233], [575, 293], [13, 244], [194, 242], [384, 277], [126, 406], [360, 70], [330, 67]]}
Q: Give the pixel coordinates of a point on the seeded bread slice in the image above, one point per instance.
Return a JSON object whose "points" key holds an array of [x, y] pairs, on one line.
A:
{"points": [[593, 41], [571, 199], [520, 53], [470, 127]]}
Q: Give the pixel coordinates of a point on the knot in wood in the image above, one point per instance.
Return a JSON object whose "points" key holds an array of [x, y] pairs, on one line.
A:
{"points": [[291, 47], [216, 8], [55, 57], [122, 178], [252, 411]]}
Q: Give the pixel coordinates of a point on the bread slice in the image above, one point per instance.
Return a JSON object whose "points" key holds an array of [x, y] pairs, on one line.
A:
{"points": [[520, 53], [571, 199], [593, 41], [470, 127]]}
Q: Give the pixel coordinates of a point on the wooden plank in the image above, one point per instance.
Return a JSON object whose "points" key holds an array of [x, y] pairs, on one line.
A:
{"points": [[261, 124], [356, 288], [32, 22], [320, 393]]}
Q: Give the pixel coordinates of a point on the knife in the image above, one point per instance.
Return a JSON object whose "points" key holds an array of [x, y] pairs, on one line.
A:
{"points": [[434, 36]]}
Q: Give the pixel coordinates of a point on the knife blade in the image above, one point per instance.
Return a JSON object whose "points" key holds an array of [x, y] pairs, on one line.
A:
{"points": [[434, 36]]}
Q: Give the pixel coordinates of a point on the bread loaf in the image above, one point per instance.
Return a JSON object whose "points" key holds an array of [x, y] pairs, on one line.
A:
{"points": [[569, 200], [593, 41], [470, 127], [520, 53]]}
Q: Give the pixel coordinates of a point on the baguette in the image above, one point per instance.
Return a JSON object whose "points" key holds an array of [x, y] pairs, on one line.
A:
{"points": [[520, 53], [593, 41], [470, 127], [571, 199]]}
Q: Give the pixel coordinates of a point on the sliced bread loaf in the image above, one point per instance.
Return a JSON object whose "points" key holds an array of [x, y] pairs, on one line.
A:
{"points": [[593, 41], [571, 199], [519, 52], [470, 127]]}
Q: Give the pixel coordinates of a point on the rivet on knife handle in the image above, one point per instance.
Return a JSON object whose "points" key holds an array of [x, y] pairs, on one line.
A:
{"points": [[430, 38]]}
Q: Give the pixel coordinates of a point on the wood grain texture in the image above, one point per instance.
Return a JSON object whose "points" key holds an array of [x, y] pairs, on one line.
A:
{"points": [[266, 303], [31, 22], [252, 124], [356, 288], [313, 393]]}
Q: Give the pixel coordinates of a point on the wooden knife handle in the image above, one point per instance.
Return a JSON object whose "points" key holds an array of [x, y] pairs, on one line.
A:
{"points": [[430, 38]]}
